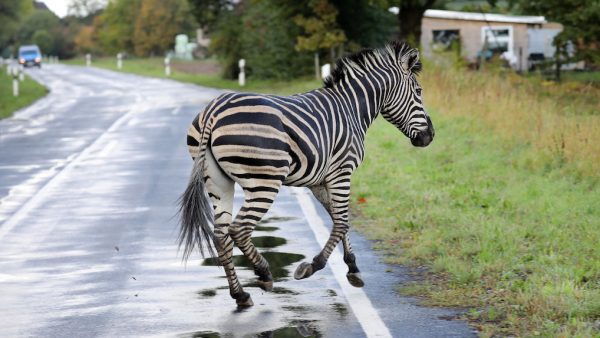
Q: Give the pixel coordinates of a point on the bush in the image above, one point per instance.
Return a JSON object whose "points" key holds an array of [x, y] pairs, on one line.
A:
{"points": [[264, 34]]}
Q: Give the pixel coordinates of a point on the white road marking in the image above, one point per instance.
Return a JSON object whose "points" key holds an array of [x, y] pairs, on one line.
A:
{"points": [[106, 151], [367, 316]]}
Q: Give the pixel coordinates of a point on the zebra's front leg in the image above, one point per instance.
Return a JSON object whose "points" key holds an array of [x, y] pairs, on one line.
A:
{"points": [[353, 274], [322, 194], [338, 210]]}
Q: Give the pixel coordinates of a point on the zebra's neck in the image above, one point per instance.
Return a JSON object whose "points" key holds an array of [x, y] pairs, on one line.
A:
{"points": [[362, 99]]}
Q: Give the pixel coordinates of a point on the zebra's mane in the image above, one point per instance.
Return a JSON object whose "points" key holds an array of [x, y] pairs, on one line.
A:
{"points": [[394, 51]]}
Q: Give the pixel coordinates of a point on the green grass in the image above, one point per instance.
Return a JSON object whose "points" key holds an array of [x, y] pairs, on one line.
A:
{"points": [[518, 246], [154, 67], [590, 77], [29, 92]]}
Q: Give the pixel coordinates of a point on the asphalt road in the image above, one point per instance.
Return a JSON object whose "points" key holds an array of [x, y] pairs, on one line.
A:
{"points": [[89, 178]]}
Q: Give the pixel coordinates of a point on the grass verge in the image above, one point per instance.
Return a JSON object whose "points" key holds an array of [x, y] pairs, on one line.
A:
{"points": [[506, 222], [29, 92], [154, 67]]}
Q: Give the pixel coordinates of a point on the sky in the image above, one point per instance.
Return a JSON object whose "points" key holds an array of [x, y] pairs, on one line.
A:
{"points": [[60, 7], [57, 6]]}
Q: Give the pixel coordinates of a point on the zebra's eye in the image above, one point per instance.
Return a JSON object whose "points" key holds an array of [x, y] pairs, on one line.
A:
{"points": [[418, 91]]}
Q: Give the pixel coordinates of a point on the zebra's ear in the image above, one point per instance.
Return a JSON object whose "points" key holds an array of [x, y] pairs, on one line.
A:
{"points": [[410, 60]]}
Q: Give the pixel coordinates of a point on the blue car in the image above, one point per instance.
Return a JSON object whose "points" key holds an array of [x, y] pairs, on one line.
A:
{"points": [[30, 55]]}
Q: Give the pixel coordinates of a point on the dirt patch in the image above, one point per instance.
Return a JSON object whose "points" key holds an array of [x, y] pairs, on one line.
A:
{"points": [[207, 67]]}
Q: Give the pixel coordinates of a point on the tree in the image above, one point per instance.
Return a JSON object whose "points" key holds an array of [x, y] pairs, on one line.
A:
{"points": [[85, 8], [410, 17], [226, 43], [44, 40], [157, 24], [115, 26], [85, 41], [11, 13], [39, 20], [209, 12], [321, 28], [365, 23], [262, 32]]}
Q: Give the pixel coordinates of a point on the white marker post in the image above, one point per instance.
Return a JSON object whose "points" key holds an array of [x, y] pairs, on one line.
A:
{"points": [[325, 71], [242, 74], [15, 74], [119, 61], [21, 73], [88, 59], [168, 66]]}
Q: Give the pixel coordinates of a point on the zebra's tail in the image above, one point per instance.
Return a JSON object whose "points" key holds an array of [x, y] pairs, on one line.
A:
{"points": [[195, 211]]}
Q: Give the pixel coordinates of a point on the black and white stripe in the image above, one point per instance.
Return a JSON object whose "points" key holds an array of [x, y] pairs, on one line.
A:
{"points": [[314, 140]]}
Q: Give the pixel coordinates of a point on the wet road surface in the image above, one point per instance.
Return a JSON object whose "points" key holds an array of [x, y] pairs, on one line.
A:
{"points": [[89, 178]]}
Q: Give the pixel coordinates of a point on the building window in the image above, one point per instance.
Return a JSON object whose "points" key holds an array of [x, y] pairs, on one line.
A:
{"points": [[443, 39], [499, 39]]}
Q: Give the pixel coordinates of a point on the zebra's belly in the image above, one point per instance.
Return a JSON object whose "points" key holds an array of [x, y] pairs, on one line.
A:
{"points": [[305, 176]]}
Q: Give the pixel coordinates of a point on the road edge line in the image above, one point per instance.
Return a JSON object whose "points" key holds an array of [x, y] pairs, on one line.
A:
{"points": [[363, 309]]}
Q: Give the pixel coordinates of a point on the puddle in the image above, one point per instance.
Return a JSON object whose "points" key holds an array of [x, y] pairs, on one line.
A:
{"points": [[202, 334], [277, 262], [298, 329], [276, 219], [268, 241], [265, 228], [296, 309], [208, 293], [283, 291], [302, 329], [340, 308]]}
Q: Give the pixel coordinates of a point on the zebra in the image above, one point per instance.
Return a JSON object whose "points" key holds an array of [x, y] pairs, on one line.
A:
{"points": [[313, 140]]}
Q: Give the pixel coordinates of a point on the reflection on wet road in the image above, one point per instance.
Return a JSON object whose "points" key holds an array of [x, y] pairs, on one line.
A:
{"points": [[89, 179]]}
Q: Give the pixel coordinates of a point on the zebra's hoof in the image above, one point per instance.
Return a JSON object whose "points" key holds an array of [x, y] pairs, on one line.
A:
{"points": [[267, 286], [303, 270], [355, 279], [245, 300]]}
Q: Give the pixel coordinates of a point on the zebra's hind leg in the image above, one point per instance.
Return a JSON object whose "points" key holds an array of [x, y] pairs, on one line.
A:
{"points": [[220, 188], [257, 202]]}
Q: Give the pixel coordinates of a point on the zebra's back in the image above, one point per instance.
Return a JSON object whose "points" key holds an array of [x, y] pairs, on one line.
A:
{"points": [[284, 138]]}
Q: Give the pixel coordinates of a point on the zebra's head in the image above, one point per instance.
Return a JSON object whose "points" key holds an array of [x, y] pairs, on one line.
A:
{"points": [[404, 105]]}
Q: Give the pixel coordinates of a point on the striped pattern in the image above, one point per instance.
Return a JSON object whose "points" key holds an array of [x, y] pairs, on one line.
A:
{"points": [[310, 140]]}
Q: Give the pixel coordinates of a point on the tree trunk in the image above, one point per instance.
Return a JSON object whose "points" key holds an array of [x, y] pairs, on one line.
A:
{"points": [[558, 65], [410, 18]]}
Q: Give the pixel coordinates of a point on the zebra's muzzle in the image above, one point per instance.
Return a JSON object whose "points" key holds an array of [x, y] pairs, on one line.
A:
{"points": [[425, 137]]}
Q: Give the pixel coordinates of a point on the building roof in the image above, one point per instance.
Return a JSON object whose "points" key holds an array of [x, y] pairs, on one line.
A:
{"points": [[440, 14]]}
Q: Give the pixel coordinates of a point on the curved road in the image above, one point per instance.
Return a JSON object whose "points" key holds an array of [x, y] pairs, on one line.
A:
{"points": [[89, 178]]}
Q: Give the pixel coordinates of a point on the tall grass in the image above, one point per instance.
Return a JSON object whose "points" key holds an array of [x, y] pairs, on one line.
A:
{"points": [[562, 121]]}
